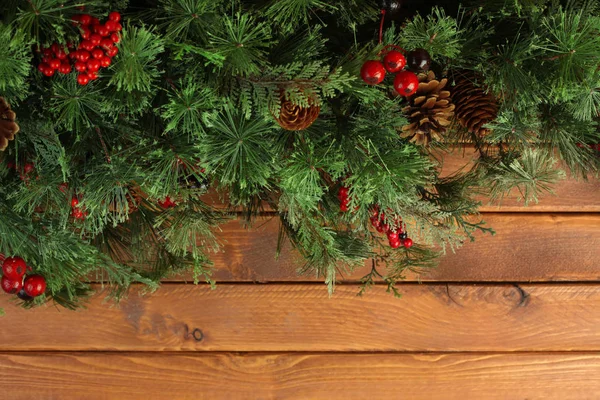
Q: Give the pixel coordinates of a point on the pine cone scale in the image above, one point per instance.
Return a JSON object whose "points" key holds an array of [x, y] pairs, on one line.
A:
{"points": [[8, 126]]}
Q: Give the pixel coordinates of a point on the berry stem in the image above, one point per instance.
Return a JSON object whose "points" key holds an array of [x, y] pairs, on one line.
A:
{"points": [[381, 26]]}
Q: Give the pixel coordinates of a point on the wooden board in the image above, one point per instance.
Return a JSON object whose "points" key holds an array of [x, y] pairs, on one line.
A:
{"points": [[303, 318], [526, 247], [570, 195], [299, 376]]}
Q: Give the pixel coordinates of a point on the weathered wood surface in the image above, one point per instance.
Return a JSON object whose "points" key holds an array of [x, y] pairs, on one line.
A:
{"points": [[526, 247], [288, 317], [101, 376]]}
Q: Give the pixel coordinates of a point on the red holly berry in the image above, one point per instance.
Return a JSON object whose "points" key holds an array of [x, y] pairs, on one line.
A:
{"points": [[119, 27], [97, 53], [34, 285], [406, 83], [95, 39], [84, 55], [80, 66], [28, 167], [86, 33], [95, 21], [88, 45], [85, 19], [54, 47], [385, 227], [394, 244], [65, 68], [344, 207], [394, 61], [111, 25], [408, 243], [73, 55], [106, 43], [74, 202], [11, 286], [14, 268], [392, 236], [78, 214], [92, 75], [112, 51], [43, 67], [167, 203], [115, 37], [105, 61], [380, 228], [372, 72], [343, 193], [60, 54], [54, 63], [83, 79], [114, 16], [93, 65], [101, 30]]}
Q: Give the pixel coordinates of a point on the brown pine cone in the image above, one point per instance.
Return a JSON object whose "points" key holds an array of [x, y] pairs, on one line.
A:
{"points": [[429, 112], [296, 118], [474, 107], [8, 126]]}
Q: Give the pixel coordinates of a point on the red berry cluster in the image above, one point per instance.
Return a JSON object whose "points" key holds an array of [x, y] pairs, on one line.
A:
{"points": [[344, 198], [406, 82], [95, 51], [76, 211], [167, 203], [25, 172], [14, 280], [396, 236]]}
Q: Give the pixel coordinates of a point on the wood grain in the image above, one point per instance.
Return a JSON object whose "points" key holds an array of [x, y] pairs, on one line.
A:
{"points": [[570, 195], [303, 318], [299, 376], [526, 247]]}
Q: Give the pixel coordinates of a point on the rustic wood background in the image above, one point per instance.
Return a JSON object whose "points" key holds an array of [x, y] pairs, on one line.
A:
{"points": [[515, 316]]}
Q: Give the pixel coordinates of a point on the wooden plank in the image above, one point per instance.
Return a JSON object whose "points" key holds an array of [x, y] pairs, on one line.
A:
{"points": [[303, 318], [300, 376], [526, 247], [570, 195]]}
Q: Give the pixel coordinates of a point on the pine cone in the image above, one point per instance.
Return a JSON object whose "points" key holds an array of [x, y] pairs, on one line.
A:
{"points": [[295, 118], [8, 126], [474, 107], [429, 112]]}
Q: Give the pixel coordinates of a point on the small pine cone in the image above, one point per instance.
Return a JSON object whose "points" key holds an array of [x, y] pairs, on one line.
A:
{"points": [[296, 118], [8, 126], [474, 107], [429, 112]]}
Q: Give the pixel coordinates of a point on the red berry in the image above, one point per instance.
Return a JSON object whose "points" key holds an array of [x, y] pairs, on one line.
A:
{"points": [[393, 236], [343, 192], [76, 20], [119, 27], [380, 228], [114, 16], [372, 72], [93, 65], [95, 21], [105, 61], [101, 30], [111, 25], [106, 43], [112, 51], [408, 243], [43, 67], [394, 61], [394, 244], [11, 286], [375, 221], [88, 45], [167, 203], [34, 285], [63, 187], [74, 202], [115, 37], [14, 268], [83, 79], [85, 19], [97, 53], [61, 55], [406, 83], [78, 214], [54, 47], [65, 68], [47, 52], [80, 66], [385, 227], [95, 39], [74, 55], [92, 75], [86, 34], [54, 63], [28, 167], [83, 55], [343, 207]]}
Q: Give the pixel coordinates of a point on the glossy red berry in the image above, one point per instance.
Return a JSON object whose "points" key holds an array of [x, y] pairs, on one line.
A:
{"points": [[73, 55], [119, 27], [54, 47], [343, 193], [43, 67], [85, 19], [105, 62], [97, 53], [394, 61], [406, 83], [95, 39], [106, 43], [372, 72], [74, 202], [65, 68], [88, 45], [93, 65], [393, 236], [11, 286], [80, 66], [114, 16], [78, 214], [394, 244], [54, 63], [83, 55], [111, 25], [92, 75], [83, 79], [34, 285], [60, 54], [344, 207], [167, 203], [101, 30], [112, 51], [115, 37], [14, 268], [28, 167], [86, 33], [408, 243]]}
